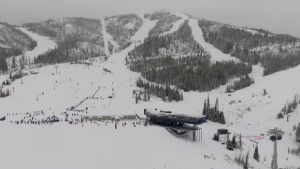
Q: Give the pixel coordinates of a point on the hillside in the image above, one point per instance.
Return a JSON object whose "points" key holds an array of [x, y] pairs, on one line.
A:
{"points": [[77, 38], [13, 42], [275, 52], [123, 27], [177, 70]]}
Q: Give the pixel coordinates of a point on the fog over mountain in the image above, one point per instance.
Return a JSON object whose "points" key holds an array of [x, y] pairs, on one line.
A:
{"points": [[275, 15]]}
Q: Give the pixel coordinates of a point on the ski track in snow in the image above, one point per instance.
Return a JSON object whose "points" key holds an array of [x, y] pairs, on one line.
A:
{"points": [[44, 44], [77, 147], [143, 32], [176, 24], [105, 36], [175, 27], [216, 55]]}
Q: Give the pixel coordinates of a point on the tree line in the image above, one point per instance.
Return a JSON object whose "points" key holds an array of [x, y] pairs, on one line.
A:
{"points": [[212, 113], [180, 42], [166, 92], [191, 73], [242, 44], [158, 15], [116, 27], [64, 52], [243, 82], [289, 107], [164, 24], [178, 60]]}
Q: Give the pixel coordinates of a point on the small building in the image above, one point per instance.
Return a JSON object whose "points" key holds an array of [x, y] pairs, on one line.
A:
{"points": [[221, 136]]}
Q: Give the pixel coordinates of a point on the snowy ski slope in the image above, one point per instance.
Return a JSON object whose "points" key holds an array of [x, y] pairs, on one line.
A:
{"points": [[44, 44], [216, 54], [105, 36], [63, 145]]}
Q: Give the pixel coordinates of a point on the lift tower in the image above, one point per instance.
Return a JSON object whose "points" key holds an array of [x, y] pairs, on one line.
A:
{"points": [[276, 133]]}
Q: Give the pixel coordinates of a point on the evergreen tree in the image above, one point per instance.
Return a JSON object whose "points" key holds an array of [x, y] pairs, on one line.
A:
{"points": [[208, 113], [7, 92], [216, 116], [148, 95], [229, 143], [233, 142], [181, 96], [136, 99], [3, 64], [256, 155], [145, 96], [246, 164], [204, 109], [208, 103], [13, 62], [222, 118], [217, 106], [240, 142], [298, 133]]}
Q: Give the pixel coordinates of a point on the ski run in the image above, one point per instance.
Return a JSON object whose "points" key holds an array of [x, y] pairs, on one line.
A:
{"points": [[56, 88]]}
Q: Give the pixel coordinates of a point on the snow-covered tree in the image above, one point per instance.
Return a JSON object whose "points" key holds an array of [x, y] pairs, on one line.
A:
{"points": [[148, 95], [246, 164], [222, 118], [204, 109], [298, 133], [13, 62], [240, 141], [233, 142], [256, 154], [229, 143], [136, 99], [208, 103], [181, 96], [144, 96], [217, 106]]}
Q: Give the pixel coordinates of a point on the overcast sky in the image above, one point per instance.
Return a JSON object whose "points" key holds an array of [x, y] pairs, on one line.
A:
{"points": [[278, 16]]}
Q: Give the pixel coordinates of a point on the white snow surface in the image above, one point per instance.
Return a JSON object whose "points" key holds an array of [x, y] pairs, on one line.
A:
{"points": [[142, 33], [105, 38], [176, 24], [44, 44], [175, 27], [2, 26], [89, 146], [216, 55], [4, 46]]}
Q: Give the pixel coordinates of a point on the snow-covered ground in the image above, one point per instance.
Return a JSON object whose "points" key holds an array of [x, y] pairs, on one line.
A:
{"points": [[2, 26], [142, 33], [4, 46], [216, 55], [105, 38], [176, 24], [44, 44], [87, 145]]}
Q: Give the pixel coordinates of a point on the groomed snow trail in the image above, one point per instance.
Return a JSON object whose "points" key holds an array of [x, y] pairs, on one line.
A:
{"points": [[216, 54], [128, 147], [105, 37], [176, 24], [44, 44], [143, 32]]}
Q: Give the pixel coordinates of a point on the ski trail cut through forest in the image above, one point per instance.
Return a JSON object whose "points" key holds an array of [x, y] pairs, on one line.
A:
{"points": [[176, 24], [143, 32], [216, 54], [105, 37], [44, 44]]}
